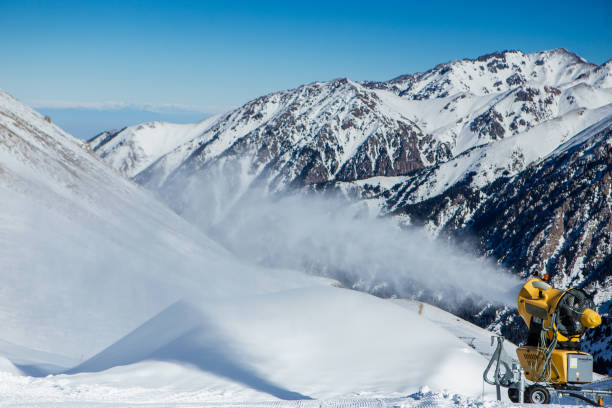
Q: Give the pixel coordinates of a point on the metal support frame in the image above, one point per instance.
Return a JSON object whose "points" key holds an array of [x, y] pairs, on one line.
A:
{"points": [[521, 385], [514, 377]]}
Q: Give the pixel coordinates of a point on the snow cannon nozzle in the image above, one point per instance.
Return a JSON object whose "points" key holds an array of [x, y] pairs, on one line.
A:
{"points": [[590, 318]]}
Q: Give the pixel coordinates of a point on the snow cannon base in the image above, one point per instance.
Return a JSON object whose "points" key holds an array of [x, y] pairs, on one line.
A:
{"points": [[509, 374]]}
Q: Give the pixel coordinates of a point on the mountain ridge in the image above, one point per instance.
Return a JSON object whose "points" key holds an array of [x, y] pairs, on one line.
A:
{"points": [[433, 145]]}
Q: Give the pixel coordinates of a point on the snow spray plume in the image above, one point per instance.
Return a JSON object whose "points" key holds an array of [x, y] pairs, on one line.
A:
{"points": [[340, 240]]}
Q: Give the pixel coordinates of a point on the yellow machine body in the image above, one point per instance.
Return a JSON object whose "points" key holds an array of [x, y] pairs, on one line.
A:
{"points": [[538, 302], [535, 301], [531, 359]]}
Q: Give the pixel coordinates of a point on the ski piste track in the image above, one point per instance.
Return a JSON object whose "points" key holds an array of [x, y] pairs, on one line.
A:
{"points": [[419, 400], [19, 391]]}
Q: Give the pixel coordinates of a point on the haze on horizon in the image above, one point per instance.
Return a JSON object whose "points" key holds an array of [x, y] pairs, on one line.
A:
{"points": [[98, 65]]}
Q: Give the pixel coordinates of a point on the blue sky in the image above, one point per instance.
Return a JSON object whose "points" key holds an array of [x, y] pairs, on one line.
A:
{"points": [[210, 56]]}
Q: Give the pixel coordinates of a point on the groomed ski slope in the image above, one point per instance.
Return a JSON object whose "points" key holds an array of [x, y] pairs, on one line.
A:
{"points": [[106, 397]]}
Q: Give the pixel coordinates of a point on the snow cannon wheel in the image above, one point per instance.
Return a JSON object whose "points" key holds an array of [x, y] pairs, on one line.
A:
{"points": [[536, 394], [513, 394]]}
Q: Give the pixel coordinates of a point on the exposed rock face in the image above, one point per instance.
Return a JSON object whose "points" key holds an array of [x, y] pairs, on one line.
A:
{"points": [[317, 133], [488, 125]]}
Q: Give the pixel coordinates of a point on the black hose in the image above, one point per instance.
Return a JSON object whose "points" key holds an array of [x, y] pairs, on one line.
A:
{"points": [[582, 397]]}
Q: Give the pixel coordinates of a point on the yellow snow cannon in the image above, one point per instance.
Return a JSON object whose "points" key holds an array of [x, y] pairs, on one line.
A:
{"points": [[557, 320]]}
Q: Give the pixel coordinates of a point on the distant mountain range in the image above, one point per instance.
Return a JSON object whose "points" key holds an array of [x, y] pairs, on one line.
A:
{"points": [[509, 151], [84, 121]]}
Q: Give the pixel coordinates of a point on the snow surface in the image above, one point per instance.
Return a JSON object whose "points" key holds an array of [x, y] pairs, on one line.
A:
{"points": [[99, 276], [57, 393], [295, 344], [167, 381]]}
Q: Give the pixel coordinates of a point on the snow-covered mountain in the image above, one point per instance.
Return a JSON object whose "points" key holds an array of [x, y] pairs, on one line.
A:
{"points": [[512, 108], [344, 130], [441, 149]]}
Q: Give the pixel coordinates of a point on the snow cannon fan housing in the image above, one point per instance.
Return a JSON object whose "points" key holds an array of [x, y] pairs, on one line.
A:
{"points": [[557, 320]]}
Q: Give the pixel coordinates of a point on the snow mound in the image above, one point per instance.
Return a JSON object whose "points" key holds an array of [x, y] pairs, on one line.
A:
{"points": [[314, 342], [7, 367]]}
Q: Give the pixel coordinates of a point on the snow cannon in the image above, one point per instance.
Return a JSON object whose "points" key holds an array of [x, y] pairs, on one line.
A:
{"points": [[557, 320], [551, 363]]}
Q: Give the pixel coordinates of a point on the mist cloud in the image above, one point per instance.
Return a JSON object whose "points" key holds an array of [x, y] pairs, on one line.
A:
{"points": [[331, 237]]}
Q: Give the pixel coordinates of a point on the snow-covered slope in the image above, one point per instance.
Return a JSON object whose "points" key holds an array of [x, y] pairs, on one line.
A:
{"points": [[165, 381], [98, 274], [499, 72], [291, 346], [74, 233]]}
